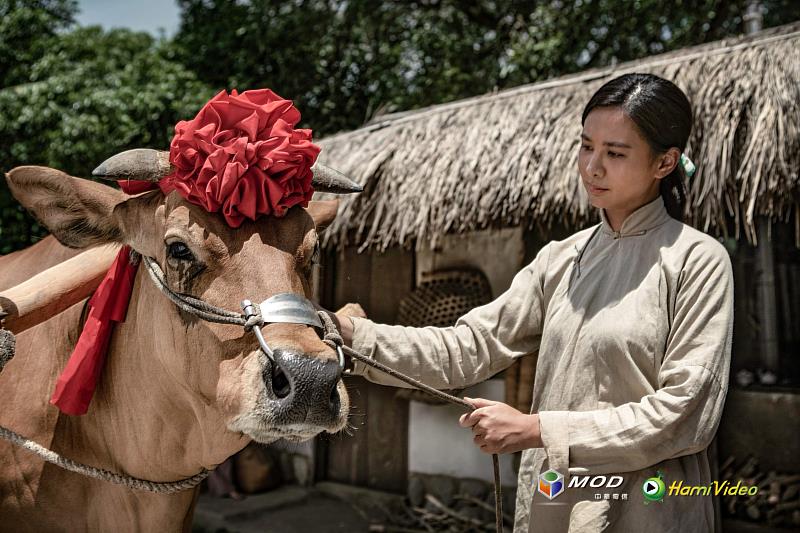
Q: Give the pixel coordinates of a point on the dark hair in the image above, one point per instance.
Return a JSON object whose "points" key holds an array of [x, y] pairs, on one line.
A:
{"points": [[663, 115]]}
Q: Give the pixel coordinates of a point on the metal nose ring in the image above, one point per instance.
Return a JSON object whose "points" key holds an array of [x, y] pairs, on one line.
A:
{"points": [[250, 311]]}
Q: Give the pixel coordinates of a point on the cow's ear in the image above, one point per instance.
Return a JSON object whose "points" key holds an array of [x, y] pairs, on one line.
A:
{"points": [[139, 219], [323, 212], [77, 212]]}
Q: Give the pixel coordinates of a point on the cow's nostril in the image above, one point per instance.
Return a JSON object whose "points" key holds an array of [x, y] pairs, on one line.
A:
{"points": [[280, 384]]}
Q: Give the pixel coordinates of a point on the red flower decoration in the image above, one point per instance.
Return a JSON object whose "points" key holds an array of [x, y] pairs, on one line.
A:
{"points": [[242, 156]]}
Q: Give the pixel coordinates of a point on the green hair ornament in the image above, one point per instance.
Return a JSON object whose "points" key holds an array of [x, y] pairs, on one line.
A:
{"points": [[688, 166]]}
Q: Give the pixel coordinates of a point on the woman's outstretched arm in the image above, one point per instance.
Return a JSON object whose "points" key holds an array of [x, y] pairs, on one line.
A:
{"points": [[483, 342]]}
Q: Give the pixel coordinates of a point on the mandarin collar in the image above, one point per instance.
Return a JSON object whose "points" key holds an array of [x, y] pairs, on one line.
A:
{"points": [[645, 218]]}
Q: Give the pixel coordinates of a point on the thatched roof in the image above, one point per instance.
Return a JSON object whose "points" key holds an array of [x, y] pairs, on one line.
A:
{"points": [[510, 158]]}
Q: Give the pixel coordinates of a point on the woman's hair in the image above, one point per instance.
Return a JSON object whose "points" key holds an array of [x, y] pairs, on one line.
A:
{"points": [[663, 115]]}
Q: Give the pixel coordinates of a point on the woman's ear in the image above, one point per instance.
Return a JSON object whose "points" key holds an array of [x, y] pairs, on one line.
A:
{"points": [[667, 163]]}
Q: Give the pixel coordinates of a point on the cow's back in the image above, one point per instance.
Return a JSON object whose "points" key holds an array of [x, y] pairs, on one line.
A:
{"points": [[27, 380]]}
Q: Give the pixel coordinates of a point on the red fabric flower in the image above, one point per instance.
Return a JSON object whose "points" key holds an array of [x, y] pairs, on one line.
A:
{"points": [[242, 156]]}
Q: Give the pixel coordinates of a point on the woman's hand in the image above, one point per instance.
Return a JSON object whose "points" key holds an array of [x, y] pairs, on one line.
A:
{"points": [[345, 324], [499, 428]]}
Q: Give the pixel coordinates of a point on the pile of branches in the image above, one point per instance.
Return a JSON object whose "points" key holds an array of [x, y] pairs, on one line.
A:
{"points": [[777, 501], [470, 517]]}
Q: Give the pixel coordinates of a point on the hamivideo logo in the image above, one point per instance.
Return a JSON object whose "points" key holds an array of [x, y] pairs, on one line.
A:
{"points": [[551, 483], [654, 488]]}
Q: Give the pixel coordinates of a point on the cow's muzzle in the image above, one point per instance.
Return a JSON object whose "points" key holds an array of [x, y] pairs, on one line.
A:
{"points": [[303, 389]]}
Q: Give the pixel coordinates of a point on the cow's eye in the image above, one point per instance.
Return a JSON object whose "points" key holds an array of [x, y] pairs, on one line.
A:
{"points": [[178, 250]]}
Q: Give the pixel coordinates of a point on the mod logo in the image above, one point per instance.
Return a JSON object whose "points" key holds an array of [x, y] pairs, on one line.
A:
{"points": [[551, 483]]}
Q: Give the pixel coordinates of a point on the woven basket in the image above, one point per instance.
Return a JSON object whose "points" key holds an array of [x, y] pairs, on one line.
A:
{"points": [[439, 300], [443, 296]]}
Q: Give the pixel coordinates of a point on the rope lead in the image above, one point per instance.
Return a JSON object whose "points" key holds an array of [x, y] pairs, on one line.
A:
{"points": [[334, 339]]}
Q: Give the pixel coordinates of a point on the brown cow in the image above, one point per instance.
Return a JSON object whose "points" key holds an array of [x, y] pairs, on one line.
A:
{"points": [[177, 394]]}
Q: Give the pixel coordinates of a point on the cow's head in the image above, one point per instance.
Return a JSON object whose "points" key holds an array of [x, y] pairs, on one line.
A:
{"points": [[298, 395]]}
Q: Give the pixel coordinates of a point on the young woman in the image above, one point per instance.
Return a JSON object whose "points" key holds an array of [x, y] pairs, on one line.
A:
{"points": [[632, 322]]}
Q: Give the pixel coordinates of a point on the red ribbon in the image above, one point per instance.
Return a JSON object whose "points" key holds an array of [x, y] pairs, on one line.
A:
{"points": [[76, 384], [109, 304]]}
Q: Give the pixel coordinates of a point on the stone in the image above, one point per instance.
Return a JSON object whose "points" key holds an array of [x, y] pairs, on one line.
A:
{"points": [[442, 487], [416, 491], [473, 487]]}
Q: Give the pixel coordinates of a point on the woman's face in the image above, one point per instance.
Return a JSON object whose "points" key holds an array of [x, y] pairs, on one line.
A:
{"points": [[617, 165]]}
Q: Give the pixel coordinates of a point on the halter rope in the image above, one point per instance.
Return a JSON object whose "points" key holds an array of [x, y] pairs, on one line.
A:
{"points": [[252, 319]]}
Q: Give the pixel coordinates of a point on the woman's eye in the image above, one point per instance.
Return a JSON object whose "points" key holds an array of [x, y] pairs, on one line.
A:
{"points": [[179, 251], [585, 147], [614, 154]]}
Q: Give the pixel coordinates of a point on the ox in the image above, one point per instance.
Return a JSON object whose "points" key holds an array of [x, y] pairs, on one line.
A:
{"points": [[177, 394]]}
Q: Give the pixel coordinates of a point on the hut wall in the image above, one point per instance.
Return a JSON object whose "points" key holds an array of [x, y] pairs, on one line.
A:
{"points": [[497, 253], [373, 451], [437, 444]]}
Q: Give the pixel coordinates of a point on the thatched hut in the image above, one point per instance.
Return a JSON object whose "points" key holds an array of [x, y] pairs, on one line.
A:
{"points": [[510, 158], [482, 183]]}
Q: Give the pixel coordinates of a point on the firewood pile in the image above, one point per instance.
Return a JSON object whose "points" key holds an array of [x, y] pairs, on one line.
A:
{"points": [[777, 502], [443, 504], [438, 517]]}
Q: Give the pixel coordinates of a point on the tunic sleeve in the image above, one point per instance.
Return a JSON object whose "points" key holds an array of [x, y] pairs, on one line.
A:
{"points": [[682, 415], [483, 342]]}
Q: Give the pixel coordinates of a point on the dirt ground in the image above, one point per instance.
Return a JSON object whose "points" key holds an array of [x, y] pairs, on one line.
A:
{"points": [[324, 508]]}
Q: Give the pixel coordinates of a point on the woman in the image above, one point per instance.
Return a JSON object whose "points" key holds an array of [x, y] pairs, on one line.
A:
{"points": [[632, 322]]}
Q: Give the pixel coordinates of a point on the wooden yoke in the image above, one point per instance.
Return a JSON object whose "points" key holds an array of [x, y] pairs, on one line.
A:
{"points": [[52, 291]]}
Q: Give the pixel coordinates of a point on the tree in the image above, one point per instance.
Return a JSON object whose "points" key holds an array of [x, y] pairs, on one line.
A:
{"points": [[27, 27], [344, 61], [90, 95]]}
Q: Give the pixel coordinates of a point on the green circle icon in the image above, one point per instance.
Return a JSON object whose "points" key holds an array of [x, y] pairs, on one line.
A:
{"points": [[654, 489], [550, 475]]}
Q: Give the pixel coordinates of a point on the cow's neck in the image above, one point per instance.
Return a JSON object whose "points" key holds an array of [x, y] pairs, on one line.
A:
{"points": [[144, 420]]}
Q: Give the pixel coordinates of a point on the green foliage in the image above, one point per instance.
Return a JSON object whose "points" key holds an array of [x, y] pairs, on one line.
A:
{"points": [[561, 37], [342, 61], [70, 97], [346, 61], [27, 28], [90, 95]]}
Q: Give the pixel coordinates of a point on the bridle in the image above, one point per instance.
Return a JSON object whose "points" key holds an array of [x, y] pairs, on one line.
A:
{"points": [[285, 308], [295, 309], [280, 308]]}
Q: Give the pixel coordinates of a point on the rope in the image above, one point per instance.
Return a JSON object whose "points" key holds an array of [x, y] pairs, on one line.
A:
{"points": [[334, 339], [197, 307], [161, 487], [185, 303], [211, 313]]}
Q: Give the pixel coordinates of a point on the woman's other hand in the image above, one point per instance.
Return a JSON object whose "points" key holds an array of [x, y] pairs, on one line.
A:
{"points": [[499, 428]]}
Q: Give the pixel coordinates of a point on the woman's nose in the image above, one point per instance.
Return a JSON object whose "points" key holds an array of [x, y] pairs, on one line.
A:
{"points": [[594, 167]]}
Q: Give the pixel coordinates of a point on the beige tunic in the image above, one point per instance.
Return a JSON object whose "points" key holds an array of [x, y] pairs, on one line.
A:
{"points": [[634, 341]]}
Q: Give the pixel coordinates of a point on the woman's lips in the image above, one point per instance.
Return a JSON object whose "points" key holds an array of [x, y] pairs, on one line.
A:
{"points": [[595, 190]]}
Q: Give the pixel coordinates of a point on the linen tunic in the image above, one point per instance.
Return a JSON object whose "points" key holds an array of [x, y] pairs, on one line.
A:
{"points": [[633, 338]]}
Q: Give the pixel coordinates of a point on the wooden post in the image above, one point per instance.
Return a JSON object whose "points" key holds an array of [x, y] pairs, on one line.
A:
{"points": [[765, 262], [52, 291]]}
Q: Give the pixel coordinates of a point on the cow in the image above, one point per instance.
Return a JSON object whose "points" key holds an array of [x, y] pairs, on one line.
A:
{"points": [[177, 394]]}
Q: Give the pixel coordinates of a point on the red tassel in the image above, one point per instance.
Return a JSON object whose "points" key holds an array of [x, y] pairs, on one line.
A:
{"points": [[76, 384]]}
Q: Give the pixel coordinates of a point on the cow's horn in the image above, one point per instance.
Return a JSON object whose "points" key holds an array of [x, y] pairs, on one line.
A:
{"points": [[146, 164], [327, 179], [141, 164]]}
